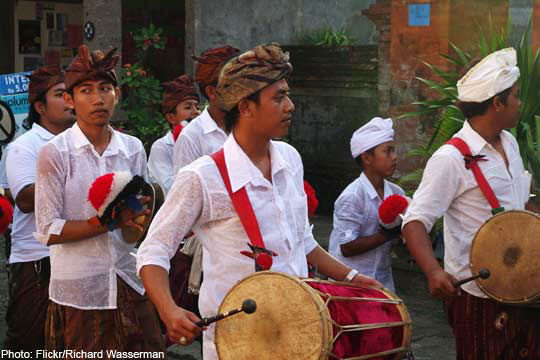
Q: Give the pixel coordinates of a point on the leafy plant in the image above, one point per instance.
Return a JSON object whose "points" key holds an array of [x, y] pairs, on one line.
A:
{"points": [[142, 91], [449, 117], [327, 37]]}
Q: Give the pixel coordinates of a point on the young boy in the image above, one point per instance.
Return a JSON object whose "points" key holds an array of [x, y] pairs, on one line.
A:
{"points": [[97, 300], [180, 105], [357, 239]]}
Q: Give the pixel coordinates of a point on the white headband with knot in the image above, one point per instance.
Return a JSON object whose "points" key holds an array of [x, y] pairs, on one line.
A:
{"points": [[494, 74], [375, 132]]}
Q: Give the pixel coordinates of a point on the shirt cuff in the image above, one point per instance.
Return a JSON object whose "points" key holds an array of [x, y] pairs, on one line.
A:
{"points": [[160, 261], [309, 241], [54, 229], [428, 224]]}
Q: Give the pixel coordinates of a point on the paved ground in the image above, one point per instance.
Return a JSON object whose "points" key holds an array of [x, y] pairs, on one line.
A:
{"points": [[432, 338]]}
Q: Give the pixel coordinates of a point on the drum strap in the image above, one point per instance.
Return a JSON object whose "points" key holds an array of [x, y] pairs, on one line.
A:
{"points": [[242, 205], [471, 163]]}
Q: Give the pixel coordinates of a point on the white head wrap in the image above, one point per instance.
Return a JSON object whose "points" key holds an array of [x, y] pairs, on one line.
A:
{"points": [[495, 73], [375, 132]]}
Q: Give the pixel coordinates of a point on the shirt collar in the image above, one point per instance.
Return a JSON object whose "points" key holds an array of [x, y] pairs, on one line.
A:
{"points": [[368, 186], [472, 138], [116, 145], [42, 132], [240, 168], [207, 122], [168, 138]]}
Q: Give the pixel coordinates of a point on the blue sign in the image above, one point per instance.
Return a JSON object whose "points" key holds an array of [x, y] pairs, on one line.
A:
{"points": [[17, 102], [14, 83], [419, 14]]}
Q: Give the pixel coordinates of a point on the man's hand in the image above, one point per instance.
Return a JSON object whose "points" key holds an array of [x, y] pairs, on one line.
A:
{"points": [[441, 284], [365, 280], [128, 216], [180, 324]]}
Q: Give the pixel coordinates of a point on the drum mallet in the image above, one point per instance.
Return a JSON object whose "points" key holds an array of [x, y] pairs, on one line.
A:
{"points": [[248, 306], [482, 274]]}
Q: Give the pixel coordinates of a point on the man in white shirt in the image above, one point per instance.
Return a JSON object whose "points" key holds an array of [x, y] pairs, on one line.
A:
{"points": [[29, 265], [206, 133], [253, 92], [357, 239], [489, 98], [97, 300], [180, 105]]}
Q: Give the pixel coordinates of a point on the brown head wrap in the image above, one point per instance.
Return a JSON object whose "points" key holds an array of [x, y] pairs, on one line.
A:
{"points": [[210, 63], [91, 66], [250, 72], [42, 79], [176, 91]]}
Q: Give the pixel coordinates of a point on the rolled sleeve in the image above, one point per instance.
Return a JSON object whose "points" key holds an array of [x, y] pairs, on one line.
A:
{"points": [[178, 215], [49, 195], [440, 185], [349, 221]]}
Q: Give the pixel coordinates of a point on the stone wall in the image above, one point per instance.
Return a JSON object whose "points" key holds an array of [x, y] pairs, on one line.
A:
{"points": [[335, 92], [246, 23]]}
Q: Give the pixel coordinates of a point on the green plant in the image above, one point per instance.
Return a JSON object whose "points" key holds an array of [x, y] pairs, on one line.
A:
{"points": [[449, 117], [142, 91], [327, 37]]}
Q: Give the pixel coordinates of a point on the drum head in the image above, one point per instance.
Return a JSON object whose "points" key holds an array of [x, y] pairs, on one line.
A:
{"points": [[291, 321], [131, 235], [7, 123], [508, 245]]}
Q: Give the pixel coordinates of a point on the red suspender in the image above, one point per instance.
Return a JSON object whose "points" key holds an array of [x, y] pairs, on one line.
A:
{"points": [[245, 212], [471, 162]]}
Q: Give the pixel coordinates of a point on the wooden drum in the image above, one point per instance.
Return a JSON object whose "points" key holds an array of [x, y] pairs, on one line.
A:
{"points": [[312, 319], [508, 245]]}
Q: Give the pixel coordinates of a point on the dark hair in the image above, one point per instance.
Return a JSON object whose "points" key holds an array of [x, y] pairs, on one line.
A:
{"points": [[231, 117], [472, 109], [358, 159], [33, 115], [202, 89]]}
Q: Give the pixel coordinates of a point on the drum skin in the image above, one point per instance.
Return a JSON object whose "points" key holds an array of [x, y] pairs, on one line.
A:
{"points": [[292, 320], [508, 245]]}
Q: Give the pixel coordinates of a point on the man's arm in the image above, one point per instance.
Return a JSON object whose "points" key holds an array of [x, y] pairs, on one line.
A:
{"points": [[364, 244], [335, 269], [25, 199], [21, 175], [182, 208]]}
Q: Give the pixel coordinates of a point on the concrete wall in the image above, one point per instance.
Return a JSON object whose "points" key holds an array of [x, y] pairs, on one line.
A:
{"points": [[107, 18], [246, 23]]}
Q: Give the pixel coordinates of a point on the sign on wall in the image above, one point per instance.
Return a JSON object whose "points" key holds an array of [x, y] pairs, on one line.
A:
{"points": [[14, 83], [419, 14]]}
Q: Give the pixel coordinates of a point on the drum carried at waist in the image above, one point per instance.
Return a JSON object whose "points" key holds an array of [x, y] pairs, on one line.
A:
{"points": [[312, 319], [508, 245]]}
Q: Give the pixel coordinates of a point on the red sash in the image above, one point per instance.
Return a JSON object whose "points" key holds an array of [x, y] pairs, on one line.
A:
{"points": [[471, 162], [242, 205]]}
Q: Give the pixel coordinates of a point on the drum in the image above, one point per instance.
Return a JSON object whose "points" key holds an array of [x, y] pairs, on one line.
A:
{"points": [[312, 319], [508, 245]]}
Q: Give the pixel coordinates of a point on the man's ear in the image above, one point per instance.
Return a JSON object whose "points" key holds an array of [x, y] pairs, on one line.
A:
{"points": [[39, 107], [170, 117], [210, 92], [366, 158], [244, 108], [117, 95], [68, 99]]}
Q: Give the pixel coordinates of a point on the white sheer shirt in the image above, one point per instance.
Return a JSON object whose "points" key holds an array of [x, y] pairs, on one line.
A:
{"points": [[21, 169], [448, 188], [201, 137], [199, 200], [356, 214], [160, 162], [83, 273]]}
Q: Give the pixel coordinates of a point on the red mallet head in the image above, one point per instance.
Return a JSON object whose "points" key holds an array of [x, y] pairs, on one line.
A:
{"points": [[6, 214], [390, 210]]}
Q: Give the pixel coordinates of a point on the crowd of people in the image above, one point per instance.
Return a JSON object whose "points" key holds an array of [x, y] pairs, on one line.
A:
{"points": [[75, 282]]}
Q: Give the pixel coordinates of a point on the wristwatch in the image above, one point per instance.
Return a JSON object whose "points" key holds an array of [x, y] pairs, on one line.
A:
{"points": [[350, 276]]}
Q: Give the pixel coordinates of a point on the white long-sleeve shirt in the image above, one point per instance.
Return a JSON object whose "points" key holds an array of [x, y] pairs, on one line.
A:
{"points": [[199, 200], [160, 162], [21, 169], [201, 137], [355, 215], [83, 273], [449, 189]]}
